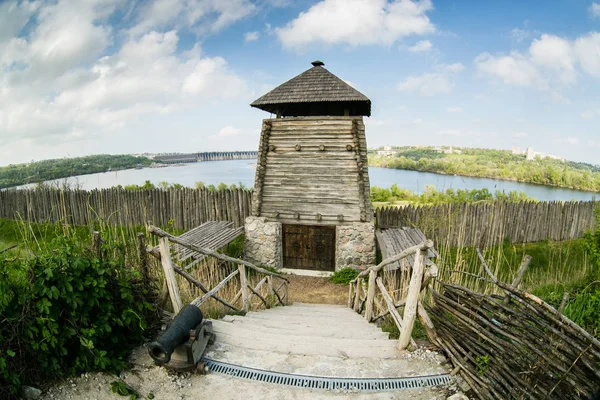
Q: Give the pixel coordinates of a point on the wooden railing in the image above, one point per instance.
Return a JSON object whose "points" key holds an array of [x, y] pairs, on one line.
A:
{"points": [[375, 289], [271, 289]]}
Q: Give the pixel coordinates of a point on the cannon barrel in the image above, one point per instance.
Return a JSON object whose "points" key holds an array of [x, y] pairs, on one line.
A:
{"points": [[177, 333]]}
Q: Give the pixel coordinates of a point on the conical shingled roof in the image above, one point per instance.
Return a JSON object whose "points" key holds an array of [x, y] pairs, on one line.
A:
{"points": [[314, 92]]}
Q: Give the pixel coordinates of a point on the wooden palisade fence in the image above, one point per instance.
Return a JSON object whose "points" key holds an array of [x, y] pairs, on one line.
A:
{"points": [[376, 301], [185, 208], [246, 279], [488, 224], [467, 224], [514, 345]]}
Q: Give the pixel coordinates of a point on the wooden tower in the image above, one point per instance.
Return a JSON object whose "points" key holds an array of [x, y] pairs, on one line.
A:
{"points": [[311, 207]]}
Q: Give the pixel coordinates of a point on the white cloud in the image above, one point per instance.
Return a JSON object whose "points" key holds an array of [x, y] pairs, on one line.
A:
{"points": [[520, 135], [555, 54], [357, 22], [76, 81], [427, 84], [421, 46], [229, 131], [549, 62], [201, 16], [519, 35], [430, 84], [572, 140], [594, 10], [251, 36], [452, 68], [454, 109], [587, 49], [514, 69]]}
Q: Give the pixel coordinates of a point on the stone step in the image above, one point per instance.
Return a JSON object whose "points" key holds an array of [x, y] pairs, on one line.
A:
{"points": [[306, 345], [328, 331], [305, 311], [323, 306], [342, 323]]}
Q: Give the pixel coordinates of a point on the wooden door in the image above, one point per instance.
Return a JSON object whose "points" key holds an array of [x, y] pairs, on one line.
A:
{"points": [[309, 247]]}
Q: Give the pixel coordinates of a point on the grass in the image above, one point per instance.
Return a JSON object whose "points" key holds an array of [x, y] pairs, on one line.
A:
{"points": [[553, 264]]}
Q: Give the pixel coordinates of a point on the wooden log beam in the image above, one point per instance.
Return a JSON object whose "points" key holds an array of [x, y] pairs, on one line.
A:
{"points": [[244, 286], [412, 299], [370, 295], [267, 305], [170, 275], [390, 304], [199, 284], [403, 254], [159, 232], [519, 277], [427, 324], [202, 299]]}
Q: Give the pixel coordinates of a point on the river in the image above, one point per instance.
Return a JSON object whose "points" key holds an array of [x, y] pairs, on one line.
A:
{"points": [[236, 171]]}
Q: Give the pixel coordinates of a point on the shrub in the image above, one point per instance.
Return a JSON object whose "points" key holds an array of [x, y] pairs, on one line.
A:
{"points": [[344, 276], [65, 312]]}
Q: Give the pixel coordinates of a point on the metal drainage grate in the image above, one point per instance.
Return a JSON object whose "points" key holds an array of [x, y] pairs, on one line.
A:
{"points": [[326, 383]]}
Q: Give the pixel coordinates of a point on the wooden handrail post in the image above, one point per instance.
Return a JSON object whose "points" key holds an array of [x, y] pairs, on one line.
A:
{"points": [[244, 285], [370, 296], [270, 294], [412, 299], [357, 296], [165, 260], [350, 298]]}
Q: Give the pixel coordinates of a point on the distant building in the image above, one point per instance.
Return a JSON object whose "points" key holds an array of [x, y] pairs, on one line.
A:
{"points": [[531, 155], [387, 151]]}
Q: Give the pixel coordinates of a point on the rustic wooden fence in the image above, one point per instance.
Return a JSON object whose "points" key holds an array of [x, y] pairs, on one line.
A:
{"points": [[488, 224], [186, 208], [467, 224], [513, 345]]}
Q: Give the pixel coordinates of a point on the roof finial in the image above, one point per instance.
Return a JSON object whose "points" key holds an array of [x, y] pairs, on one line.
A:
{"points": [[317, 63]]}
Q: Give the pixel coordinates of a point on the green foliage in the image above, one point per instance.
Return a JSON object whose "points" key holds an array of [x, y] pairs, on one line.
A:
{"points": [[34, 172], [483, 362], [121, 388], [344, 276], [66, 311], [498, 164], [146, 186], [235, 249], [432, 196]]}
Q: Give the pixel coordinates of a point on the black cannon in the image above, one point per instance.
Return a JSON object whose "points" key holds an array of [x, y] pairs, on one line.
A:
{"points": [[181, 346]]}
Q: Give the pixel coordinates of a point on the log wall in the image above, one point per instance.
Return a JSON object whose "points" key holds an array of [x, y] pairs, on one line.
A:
{"points": [[313, 170]]}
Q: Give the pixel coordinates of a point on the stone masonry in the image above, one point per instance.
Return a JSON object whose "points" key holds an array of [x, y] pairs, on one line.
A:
{"points": [[263, 242], [355, 245]]}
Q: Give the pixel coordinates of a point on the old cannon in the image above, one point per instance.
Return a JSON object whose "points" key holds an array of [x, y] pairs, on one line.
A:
{"points": [[181, 346]]}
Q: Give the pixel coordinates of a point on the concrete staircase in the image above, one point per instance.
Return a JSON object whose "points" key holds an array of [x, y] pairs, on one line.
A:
{"points": [[316, 339]]}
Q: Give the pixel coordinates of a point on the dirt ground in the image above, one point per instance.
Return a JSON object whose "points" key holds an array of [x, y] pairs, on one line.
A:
{"points": [[310, 289]]}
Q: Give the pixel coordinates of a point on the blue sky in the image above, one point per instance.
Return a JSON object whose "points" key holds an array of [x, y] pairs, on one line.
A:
{"points": [[116, 76]]}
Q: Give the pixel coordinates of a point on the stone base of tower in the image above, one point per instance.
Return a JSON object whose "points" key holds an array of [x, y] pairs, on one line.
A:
{"points": [[354, 244], [262, 244]]}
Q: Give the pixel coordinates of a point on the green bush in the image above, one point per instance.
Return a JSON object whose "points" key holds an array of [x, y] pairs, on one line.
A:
{"points": [[66, 311], [344, 276]]}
